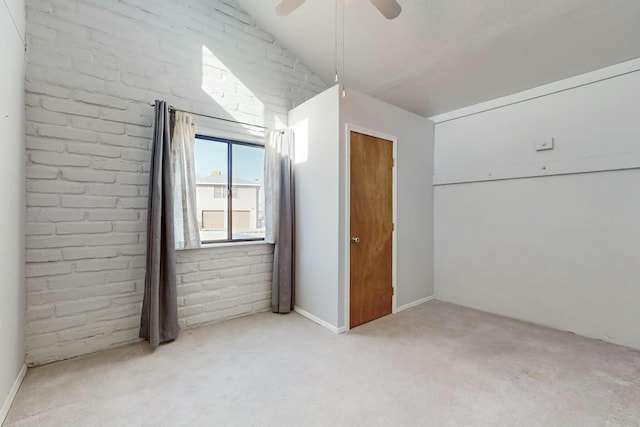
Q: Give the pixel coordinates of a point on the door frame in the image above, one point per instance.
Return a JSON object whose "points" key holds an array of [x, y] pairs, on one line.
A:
{"points": [[347, 212]]}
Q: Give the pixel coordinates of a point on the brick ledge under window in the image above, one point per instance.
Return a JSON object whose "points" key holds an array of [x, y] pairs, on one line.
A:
{"points": [[227, 244]]}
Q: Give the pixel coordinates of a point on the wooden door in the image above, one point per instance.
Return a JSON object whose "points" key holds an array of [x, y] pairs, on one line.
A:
{"points": [[371, 262]]}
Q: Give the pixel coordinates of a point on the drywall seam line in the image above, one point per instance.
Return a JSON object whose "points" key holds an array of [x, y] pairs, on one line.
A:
{"points": [[15, 25], [471, 181]]}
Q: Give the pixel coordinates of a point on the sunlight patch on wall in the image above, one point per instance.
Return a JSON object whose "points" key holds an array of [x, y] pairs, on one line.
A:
{"points": [[227, 90], [279, 123], [301, 132]]}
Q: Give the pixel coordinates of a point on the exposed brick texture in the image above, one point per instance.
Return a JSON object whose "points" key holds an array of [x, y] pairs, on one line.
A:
{"points": [[92, 68]]}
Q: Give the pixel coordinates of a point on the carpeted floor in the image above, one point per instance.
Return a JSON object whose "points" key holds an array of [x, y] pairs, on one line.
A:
{"points": [[435, 364]]}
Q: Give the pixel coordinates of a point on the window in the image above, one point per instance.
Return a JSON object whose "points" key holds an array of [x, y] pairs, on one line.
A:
{"points": [[223, 164], [220, 192]]}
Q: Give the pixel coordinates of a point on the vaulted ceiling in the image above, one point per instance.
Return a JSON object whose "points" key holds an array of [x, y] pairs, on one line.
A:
{"points": [[440, 55]]}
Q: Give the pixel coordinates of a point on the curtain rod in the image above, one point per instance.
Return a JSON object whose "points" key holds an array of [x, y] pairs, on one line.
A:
{"points": [[172, 108]]}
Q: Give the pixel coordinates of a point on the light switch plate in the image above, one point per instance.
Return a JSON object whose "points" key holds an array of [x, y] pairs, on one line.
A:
{"points": [[544, 144]]}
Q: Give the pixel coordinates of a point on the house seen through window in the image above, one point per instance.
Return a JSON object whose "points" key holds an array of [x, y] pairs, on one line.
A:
{"points": [[229, 189]]}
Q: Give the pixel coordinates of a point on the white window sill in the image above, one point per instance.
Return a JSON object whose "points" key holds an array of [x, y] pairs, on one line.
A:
{"points": [[227, 244]]}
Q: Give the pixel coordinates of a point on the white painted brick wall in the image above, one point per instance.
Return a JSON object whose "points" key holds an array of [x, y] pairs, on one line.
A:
{"points": [[92, 67], [225, 283]]}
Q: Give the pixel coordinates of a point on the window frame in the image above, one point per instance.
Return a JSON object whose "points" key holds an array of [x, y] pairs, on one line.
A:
{"points": [[230, 142]]}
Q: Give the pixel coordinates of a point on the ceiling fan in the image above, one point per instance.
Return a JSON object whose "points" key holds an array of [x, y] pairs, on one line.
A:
{"points": [[389, 8]]}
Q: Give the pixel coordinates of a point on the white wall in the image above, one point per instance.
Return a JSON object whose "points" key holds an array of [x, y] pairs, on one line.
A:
{"points": [[315, 124], [12, 196], [92, 68], [321, 233], [559, 250], [414, 225]]}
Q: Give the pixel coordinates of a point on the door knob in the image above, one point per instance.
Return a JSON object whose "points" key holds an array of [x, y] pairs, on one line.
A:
{"points": [[355, 240]]}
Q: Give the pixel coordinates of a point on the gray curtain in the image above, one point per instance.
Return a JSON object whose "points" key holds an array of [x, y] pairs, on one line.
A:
{"points": [[280, 187], [159, 319]]}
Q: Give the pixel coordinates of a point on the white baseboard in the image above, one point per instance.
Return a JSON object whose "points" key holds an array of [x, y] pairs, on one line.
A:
{"points": [[319, 321], [12, 394], [414, 303]]}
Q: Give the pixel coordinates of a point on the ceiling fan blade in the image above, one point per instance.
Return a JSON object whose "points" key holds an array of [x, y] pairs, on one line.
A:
{"points": [[287, 6], [389, 8]]}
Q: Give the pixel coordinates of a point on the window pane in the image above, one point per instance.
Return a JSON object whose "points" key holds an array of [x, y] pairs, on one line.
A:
{"points": [[247, 170], [211, 189]]}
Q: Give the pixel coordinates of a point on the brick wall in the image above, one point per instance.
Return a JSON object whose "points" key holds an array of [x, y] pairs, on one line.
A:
{"points": [[92, 68], [223, 283]]}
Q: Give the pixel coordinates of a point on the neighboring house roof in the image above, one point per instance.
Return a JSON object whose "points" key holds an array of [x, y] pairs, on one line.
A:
{"points": [[222, 180]]}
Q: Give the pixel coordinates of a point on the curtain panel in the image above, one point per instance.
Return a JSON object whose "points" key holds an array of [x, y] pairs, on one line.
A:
{"points": [[159, 317], [185, 211], [280, 216]]}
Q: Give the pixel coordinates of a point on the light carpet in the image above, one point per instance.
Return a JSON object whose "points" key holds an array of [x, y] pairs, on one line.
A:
{"points": [[435, 364]]}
